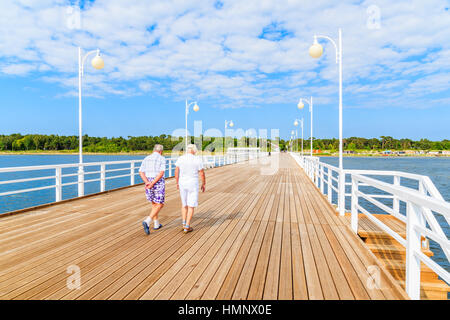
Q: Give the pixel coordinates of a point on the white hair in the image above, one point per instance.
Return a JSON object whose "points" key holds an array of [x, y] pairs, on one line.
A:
{"points": [[158, 148], [192, 147]]}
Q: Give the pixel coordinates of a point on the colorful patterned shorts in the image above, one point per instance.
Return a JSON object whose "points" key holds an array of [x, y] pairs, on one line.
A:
{"points": [[158, 192]]}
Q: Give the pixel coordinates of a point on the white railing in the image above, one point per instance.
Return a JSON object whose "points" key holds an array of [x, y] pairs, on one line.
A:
{"points": [[326, 177], [95, 171], [422, 204]]}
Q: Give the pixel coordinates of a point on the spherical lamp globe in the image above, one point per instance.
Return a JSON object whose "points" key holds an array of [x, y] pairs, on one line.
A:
{"points": [[231, 124], [295, 123], [315, 50], [196, 107], [300, 105], [98, 62]]}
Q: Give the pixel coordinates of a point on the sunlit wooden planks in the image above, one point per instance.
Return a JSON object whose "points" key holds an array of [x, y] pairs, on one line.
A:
{"points": [[256, 236]]}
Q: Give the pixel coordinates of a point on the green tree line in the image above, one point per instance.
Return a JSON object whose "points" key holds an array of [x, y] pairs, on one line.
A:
{"points": [[37, 142], [383, 143]]}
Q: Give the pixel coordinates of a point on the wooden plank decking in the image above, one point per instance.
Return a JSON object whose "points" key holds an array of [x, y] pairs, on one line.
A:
{"points": [[255, 237]]}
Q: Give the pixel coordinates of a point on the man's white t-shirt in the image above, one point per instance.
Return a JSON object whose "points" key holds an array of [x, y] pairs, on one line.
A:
{"points": [[189, 166]]}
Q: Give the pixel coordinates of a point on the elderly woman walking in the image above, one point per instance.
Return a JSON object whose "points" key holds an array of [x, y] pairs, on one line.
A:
{"points": [[188, 168], [152, 173]]}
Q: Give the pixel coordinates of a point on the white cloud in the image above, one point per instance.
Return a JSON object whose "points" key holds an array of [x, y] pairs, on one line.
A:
{"points": [[17, 69], [245, 53]]}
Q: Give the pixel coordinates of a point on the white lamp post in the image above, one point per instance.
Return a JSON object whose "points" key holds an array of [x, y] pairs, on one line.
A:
{"points": [[300, 105], [295, 136], [98, 63], [195, 108], [227, 123], [316, 51], [296, 122]]}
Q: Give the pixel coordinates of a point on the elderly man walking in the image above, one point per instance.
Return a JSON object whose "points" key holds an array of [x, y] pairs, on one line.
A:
{"points": [[152, 173], [188, 168]]}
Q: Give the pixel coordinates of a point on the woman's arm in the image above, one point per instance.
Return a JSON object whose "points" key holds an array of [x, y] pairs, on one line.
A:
{"points": [[177, 175], [203, 177]]}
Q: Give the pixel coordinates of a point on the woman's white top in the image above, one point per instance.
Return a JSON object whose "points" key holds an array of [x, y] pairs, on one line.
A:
{"points": [[189, 166]]}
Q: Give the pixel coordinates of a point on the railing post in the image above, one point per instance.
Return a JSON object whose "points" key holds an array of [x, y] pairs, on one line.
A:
{"points": [[413, 213], [396, 201], [80, 180], [170, 166], [425, 243], [423, 191], [102, 177], [58, 184], [321, 179], [341, 193], [316, 172], [354, 217], [307, 168], [308, 165], [132, 173], [329, 184]]}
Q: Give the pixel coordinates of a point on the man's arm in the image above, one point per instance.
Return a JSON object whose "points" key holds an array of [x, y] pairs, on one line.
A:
{"points": [[203, 177], [177, 175], [144, 178], [157, 178], [160, 174]]}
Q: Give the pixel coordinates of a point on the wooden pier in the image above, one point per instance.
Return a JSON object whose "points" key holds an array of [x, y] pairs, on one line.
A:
{"points": [[256, 236]]}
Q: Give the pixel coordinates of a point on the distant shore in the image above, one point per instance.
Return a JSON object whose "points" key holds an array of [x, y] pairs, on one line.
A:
{"points": [[74, 153], [144, 153], [386, 156]]}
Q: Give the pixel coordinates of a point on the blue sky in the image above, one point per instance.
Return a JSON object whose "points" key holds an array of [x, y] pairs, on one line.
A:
{"points": [[247, 62]]}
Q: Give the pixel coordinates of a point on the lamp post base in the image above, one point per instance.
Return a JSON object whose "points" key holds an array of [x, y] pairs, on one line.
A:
{"points": [[80, 182]]}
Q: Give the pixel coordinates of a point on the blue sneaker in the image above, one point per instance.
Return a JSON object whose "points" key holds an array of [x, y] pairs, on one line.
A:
{"points": [[156, 228], [146, 229]]}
